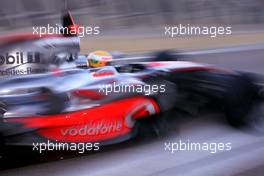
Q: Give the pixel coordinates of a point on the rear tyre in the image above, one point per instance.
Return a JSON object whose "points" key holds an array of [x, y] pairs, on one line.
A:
{"points": [[239, 100], [168, 55]]}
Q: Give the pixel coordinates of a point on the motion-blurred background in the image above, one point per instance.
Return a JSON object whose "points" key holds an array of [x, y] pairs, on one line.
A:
{"points": [[121, 20], [118, 14]]}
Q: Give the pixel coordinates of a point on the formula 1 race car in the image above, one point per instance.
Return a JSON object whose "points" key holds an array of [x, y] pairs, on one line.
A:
{"points": [[112, 103], [107, 104]]}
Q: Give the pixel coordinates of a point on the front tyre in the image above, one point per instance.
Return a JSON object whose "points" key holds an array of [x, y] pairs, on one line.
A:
{"points": [[3, 109]]}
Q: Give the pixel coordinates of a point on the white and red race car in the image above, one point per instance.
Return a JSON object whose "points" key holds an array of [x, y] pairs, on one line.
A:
{"points": [[108, 104], [112, 103]]}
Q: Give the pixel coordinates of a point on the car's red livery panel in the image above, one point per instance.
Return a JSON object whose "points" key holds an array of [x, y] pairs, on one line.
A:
{"points": [[93, 124]]}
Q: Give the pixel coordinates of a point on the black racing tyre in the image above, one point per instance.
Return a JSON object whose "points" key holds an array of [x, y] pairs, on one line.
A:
{"points": [[153, 127], [158, 125], [168, 95], [239, 98], [168, 55], [256, 117]]}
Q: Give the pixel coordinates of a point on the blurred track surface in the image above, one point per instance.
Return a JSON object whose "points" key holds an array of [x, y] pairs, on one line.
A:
{"points": [[148, 157]]}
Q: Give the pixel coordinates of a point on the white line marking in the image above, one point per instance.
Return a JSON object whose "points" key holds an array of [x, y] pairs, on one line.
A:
{"points": [[227, 49], [206, 51]]}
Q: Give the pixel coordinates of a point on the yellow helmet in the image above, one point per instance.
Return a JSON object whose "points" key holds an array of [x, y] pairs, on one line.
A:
{"points": [[99, 59]]}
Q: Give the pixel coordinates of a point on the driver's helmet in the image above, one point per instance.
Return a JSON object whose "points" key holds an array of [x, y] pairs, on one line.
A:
{"points": [[99, 59]]}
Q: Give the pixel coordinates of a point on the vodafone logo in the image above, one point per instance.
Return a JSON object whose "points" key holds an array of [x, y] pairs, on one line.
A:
{"points": [[93, 129]]}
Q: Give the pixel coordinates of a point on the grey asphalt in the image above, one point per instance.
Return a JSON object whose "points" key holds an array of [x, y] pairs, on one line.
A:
{"points": [[139, 157]]}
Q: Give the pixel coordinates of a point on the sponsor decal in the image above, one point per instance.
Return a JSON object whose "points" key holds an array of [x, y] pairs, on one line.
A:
{"points": [[92, 129], [20, 63]]}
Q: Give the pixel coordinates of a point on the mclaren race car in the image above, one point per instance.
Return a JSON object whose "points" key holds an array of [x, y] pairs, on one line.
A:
{"points": [[108, 104], [112, 103]]}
